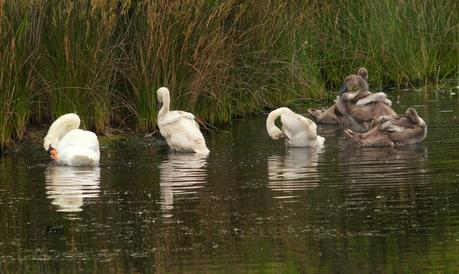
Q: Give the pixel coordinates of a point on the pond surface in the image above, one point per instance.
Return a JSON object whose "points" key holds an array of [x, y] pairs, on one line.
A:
{"points": [[251, 206]]}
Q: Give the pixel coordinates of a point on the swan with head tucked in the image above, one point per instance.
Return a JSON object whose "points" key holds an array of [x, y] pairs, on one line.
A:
{"points": [[69, 145], [298, 130], [362, 107], [179, 127], [354, 109], [392, 130]]}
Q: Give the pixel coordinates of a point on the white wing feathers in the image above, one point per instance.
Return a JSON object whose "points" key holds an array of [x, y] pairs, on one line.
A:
{"points": [[173, 116]]}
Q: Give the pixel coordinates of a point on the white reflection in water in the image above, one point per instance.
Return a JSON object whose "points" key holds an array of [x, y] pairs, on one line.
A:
{"points": [[68, 186], [180, 174], [296, 171]]}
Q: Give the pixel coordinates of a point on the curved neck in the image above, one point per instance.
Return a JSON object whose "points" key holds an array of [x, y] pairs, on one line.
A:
{"points": [[165, 105], [60, 127], [270, 121], [64, 124]]}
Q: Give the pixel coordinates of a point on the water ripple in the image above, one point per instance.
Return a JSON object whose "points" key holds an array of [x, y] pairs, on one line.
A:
{"points": [[180, 174], [294, 172]]}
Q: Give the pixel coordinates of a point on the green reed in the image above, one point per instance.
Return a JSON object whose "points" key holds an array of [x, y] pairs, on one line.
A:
{"points": [[398, 41], [105, 59], [16, 64], [78, 61]]}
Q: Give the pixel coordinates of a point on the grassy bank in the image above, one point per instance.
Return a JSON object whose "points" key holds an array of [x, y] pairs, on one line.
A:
{"points": [[105, 59]]}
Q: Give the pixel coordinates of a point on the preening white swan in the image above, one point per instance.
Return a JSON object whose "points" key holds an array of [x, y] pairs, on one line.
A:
{"points": [[179, 127], [299, 131], [69, 145]]}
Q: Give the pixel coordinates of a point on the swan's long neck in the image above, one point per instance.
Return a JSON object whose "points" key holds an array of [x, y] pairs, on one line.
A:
{"points": [[60, 127], [270, 122], [166, 100]]}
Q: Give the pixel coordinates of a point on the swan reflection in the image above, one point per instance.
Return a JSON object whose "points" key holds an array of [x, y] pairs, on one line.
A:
{"points": [[68, 186], [382, 166], [296, 171], [180, 175]]}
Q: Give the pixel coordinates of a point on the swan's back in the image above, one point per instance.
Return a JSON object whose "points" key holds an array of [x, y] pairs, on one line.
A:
{"points": [[302, 131], [182, 132], [79, 148]]}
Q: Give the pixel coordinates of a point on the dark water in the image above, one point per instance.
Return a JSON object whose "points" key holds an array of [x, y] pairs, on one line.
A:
{"points": [[251, 206]]}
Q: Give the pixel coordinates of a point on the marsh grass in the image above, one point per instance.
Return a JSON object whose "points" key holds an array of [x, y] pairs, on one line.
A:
{"points": [[398, 41], [105, 59], [182, 46], [16, 65], [78, 61]]}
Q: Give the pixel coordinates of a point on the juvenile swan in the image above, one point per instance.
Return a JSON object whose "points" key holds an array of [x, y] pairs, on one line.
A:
{"points": [[392, 130], [179, 127], [299, 131], [332, 115], [69, 145]]}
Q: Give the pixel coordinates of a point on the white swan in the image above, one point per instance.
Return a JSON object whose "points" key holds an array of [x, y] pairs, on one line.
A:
{"points": [[299, 131], [69, 145], [179, 127]]}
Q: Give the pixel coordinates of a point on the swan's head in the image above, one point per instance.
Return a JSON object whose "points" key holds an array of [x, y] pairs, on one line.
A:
{"points": [[353, 82], [161, 94], [49, 142], [275, 133], [413, 116]]}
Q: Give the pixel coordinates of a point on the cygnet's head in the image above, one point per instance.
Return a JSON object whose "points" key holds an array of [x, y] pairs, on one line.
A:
{"points": [[413, 116], [352, 82]]}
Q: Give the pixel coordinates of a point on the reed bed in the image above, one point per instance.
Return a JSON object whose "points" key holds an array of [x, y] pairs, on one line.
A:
{"points": [[105, 59]]}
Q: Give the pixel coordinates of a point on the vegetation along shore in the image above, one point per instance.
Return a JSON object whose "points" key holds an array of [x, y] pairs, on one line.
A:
{"points": [[220, 59]]}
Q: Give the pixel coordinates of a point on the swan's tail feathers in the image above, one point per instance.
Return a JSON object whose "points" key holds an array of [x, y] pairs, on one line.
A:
{"points": [[354, 136]]}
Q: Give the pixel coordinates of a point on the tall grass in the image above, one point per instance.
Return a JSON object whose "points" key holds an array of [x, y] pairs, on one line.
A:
{"points": [[182, 46], [220, 59], [398, 41], [78, 60], [17, 60]]}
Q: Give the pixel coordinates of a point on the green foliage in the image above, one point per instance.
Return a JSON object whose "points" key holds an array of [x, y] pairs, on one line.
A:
{"points": [[105, 59], [16, 64]]}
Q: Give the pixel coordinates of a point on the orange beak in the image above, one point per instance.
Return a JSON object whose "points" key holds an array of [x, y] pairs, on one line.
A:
{"points": [[53, 154]]}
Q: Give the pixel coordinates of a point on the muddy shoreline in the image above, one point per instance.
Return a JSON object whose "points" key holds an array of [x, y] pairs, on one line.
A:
{"points": [[128, 139]]}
